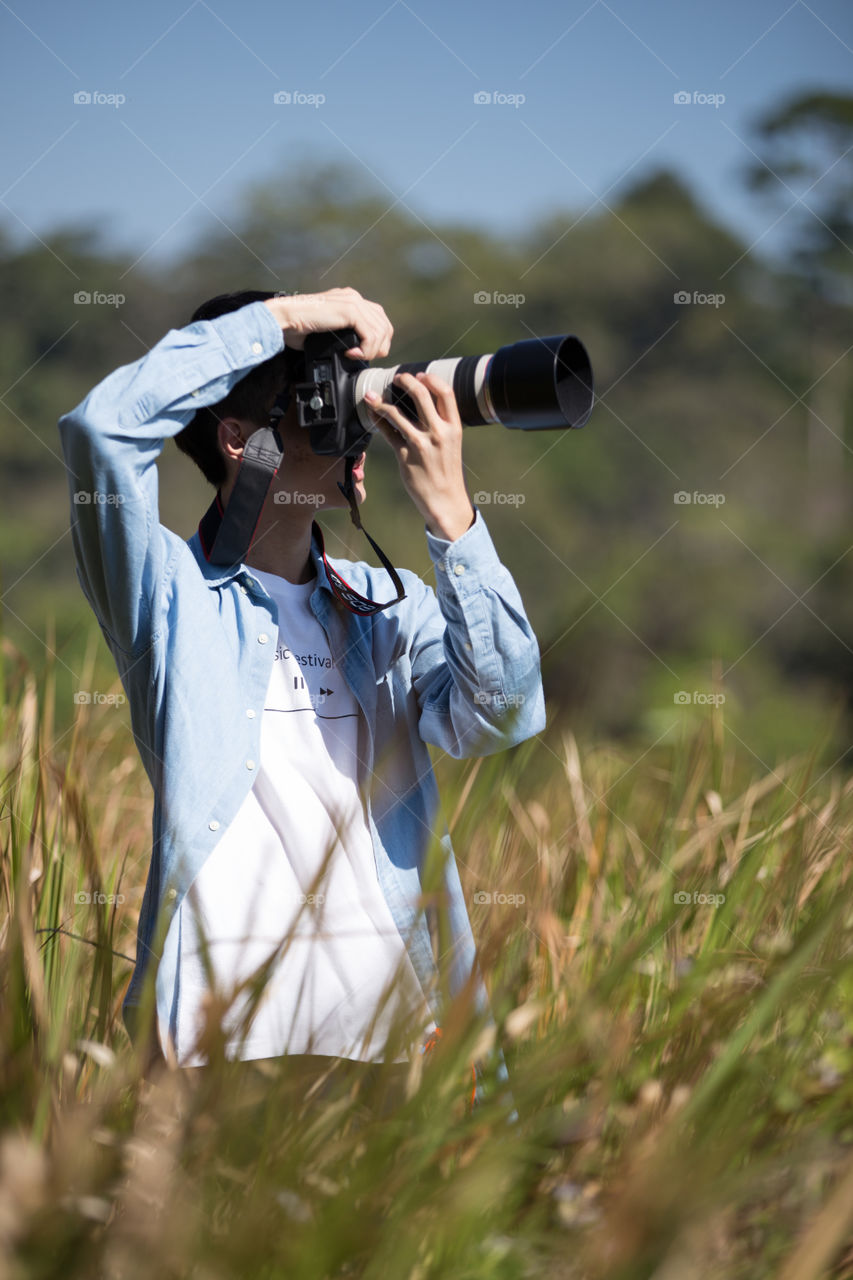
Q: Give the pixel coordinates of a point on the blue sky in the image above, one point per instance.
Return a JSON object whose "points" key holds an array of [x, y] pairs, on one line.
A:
{"points": [[399, 80]]}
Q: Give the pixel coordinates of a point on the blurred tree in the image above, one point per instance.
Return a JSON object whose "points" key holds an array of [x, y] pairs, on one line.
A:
{"points": [[807, 166], [632, 596], [808, 158]]}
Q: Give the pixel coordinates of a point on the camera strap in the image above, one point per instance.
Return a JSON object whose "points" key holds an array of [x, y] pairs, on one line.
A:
{"points": [[229, 532], [342, 591], [236, 527]]}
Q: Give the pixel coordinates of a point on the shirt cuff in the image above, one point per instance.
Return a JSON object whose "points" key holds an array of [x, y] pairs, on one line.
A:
{"points": [[442, 544], [253, 327], [467, 560]]}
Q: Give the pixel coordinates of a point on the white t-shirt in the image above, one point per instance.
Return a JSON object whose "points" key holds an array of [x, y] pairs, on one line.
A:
{"points": [[262, 882]]}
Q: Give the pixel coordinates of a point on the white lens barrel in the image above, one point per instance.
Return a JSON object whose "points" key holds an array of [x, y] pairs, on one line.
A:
{"points": [[536, 384], [380, 381]]}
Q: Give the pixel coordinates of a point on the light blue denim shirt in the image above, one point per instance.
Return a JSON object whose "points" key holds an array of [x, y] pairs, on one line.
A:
{"points": [[457, 668]]}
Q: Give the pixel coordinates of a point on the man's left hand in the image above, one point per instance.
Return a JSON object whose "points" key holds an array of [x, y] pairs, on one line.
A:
{"points": [[429, 452]]}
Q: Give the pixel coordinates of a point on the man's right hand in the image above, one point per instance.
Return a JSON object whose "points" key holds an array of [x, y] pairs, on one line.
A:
{"points": [[302, 313]]}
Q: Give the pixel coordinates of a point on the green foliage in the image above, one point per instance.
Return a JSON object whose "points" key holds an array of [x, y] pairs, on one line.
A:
{"points": [[633, 596], [680, 1068], [806, 167]]}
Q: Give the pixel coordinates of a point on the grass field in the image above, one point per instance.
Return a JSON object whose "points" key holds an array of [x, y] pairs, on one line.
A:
{"points": [[666, 936]]}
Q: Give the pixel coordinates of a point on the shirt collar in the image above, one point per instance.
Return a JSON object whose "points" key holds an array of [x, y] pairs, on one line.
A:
{"points": [[216, 574]]}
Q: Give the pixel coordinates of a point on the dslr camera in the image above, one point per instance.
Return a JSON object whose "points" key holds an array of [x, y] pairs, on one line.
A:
{"points": [[534, 385]]}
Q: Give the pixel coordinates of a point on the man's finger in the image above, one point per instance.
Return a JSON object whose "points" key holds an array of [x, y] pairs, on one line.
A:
{"points": [[379, 332], [390, 415], [390, 433], [421, 395], [444, 394]]}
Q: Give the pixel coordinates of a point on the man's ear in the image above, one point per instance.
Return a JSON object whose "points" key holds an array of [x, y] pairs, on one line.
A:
{"points": [[231, 435]]}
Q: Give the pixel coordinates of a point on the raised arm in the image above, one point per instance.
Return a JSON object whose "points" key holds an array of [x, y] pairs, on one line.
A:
{"points": [[475, 660], [111, 443], [112, 440]]}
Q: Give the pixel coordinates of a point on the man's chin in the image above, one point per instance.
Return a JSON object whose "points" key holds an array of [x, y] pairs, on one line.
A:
{"points": [[358, 485], [336, 500]]}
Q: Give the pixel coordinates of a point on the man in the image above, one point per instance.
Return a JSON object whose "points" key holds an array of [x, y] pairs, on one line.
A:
{"points": [[285, 735]]}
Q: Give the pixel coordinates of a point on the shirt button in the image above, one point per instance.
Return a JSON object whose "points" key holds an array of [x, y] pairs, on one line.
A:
{"points": [[251, 713], [213, 824], [171, 895], [244, 589], [263, 638], [256, 348], [196, 393], [459, 569], [250, 764]]}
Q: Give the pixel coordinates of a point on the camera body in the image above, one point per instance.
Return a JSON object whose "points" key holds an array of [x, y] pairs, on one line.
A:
{"points": [[538, 384], [325, 398]]}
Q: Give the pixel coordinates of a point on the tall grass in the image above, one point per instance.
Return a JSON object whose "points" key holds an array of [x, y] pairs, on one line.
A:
{"points": [[666, 938]]}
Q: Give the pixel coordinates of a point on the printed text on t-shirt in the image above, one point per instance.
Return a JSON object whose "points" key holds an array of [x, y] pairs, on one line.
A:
{"points": [[304, 659]]}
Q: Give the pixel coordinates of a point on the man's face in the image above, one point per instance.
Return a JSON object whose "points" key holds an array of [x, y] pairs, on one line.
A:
{"points": [[304, 479]]}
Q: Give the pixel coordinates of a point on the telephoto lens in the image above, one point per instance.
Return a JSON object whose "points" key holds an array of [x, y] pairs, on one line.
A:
{"points": [[540, 384]]}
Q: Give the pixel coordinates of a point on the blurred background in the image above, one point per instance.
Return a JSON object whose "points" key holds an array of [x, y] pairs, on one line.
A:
{"points": [[672, 182]]}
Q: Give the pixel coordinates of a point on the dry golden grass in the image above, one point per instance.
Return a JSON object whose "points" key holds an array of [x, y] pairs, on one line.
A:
{"points": [[680, 1069]]}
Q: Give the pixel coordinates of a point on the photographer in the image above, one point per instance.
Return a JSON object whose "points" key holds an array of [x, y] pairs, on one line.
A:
{"points": [[284, 732]]}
